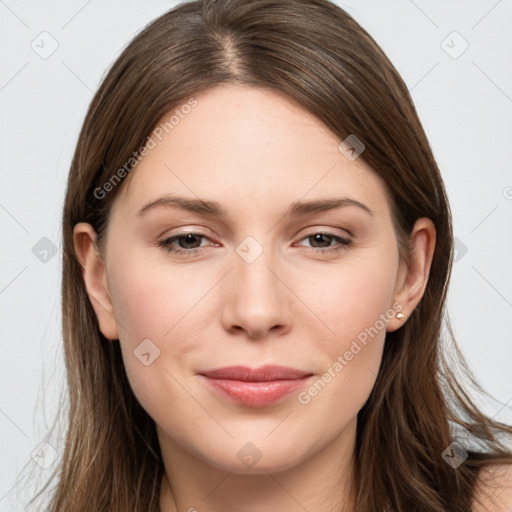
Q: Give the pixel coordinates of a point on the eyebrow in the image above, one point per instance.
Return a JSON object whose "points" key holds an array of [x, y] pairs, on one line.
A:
{"points": [[298, 208]]}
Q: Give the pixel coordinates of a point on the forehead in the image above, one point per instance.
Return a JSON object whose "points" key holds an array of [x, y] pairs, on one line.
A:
{"points": [[246, 147]]}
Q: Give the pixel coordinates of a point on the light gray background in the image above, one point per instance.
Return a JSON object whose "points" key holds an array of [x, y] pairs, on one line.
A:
{"points": [[465, 104]]}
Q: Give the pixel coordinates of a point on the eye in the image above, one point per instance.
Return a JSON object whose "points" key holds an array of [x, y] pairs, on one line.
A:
{"points": [[325, 237], [188, 240], [190, 243]]}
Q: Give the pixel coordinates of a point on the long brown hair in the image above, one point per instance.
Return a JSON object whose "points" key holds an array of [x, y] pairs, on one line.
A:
{"points": [[316, 54]]}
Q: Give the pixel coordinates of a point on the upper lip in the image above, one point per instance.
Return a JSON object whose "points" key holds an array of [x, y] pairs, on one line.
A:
{"points": [[262, 374]]}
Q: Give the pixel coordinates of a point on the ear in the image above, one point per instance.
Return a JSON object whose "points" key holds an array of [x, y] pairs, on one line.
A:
{"points": [[412, 280], [95, 278]]}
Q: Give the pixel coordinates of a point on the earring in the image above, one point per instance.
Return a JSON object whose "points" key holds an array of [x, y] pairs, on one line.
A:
{"points": [[400, 315]]}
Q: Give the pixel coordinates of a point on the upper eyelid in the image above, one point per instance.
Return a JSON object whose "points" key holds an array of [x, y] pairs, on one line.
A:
{"points": [[313, 225]]}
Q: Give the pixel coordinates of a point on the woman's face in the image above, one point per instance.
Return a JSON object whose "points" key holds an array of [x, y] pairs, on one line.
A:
{"points": [[252, 287]]}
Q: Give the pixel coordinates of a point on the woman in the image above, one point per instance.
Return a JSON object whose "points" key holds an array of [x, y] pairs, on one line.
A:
{"points": [[253, 321]]}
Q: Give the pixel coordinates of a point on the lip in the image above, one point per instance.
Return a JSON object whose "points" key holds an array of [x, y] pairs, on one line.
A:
{"points": [[256, 387]]}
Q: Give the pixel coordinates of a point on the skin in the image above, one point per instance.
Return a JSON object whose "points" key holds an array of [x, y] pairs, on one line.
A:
{"points": [[255, 152]]}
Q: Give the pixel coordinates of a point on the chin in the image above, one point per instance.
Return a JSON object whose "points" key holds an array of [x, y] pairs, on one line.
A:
{"points": [[247, 458]]}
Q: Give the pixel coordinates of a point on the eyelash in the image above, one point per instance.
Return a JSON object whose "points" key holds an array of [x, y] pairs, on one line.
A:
{"points": [[345, 243]]}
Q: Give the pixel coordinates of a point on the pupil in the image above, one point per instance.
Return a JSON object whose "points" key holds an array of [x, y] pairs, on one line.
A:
{"points": [[318, 237], [189, 239]]}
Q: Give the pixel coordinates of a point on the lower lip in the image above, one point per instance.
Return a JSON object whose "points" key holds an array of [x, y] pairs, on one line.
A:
{"points": [[255, 394]]}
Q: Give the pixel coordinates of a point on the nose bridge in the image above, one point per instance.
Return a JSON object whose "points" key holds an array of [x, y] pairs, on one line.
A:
{"points": [[252, 270], [257, 298]]}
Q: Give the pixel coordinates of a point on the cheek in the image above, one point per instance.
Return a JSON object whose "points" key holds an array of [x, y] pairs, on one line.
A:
{"points": [[149, 307], [350, 297], [153, 305], [152, 302], [355, 308]]}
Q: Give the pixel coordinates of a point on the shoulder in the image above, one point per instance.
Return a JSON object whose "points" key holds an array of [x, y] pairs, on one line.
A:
{"points": [[494, 489]]}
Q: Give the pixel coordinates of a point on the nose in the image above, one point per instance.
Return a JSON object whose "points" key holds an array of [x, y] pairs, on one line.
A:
{"points": [[256, 298]]}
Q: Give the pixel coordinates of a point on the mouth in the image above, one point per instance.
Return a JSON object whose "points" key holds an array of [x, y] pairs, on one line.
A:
{"points": [[257, 387]]}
